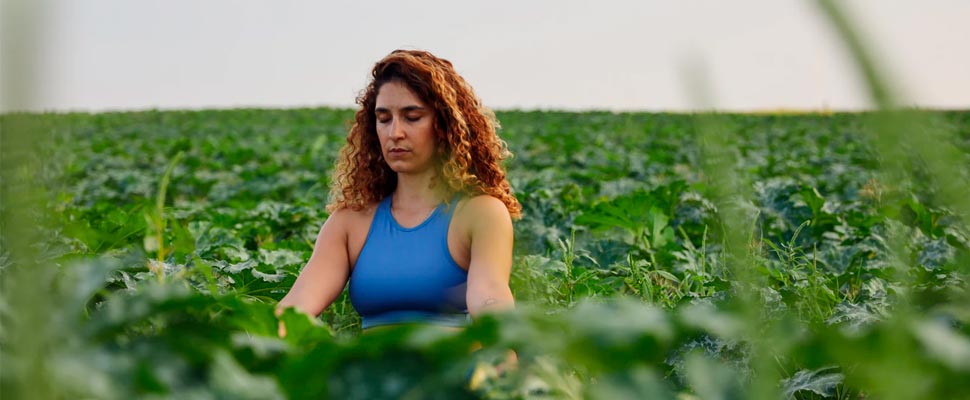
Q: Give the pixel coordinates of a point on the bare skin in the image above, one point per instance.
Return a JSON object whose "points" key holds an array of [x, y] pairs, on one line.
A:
{"points": [[479, 237]]}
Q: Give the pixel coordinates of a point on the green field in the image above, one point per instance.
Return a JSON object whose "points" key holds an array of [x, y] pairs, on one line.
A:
{"points": [[665, 255]]}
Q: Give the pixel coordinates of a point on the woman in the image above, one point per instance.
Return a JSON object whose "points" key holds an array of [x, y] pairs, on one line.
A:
{"points": [[421, 212]]}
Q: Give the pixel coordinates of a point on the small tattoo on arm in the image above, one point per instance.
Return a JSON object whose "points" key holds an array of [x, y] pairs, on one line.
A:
{"points": [[489, 301]]}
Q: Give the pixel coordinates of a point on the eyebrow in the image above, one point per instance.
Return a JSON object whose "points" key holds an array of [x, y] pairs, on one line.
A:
{"points": [[404, 109]]}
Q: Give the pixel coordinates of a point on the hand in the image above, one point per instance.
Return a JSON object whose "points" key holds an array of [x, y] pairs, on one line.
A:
{"points": [[281, 329], [510, 363]]}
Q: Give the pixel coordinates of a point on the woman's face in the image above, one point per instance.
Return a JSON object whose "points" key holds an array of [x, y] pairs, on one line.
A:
{"points": [[405, 129]]}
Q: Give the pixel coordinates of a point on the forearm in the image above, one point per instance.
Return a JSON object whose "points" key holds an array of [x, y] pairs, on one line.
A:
{"points": [[285, 303], [297, 299], [498, 299], [311, 294]]}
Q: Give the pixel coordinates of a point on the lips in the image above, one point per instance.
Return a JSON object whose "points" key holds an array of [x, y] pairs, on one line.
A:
{"points": [[397, 151]]}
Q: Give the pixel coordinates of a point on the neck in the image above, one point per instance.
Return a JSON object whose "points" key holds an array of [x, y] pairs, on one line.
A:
{"points": [[413, 192]]}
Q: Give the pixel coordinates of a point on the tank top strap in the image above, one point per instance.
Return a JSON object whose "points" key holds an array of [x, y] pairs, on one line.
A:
{"points": [[384, 207], [451, 205]]}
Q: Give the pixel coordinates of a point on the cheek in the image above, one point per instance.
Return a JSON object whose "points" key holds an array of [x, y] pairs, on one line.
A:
{"points": [[428, 135], [380, 134]]}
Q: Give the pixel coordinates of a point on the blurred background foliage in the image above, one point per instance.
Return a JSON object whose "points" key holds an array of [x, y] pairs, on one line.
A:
{"points": [[702, 256]]}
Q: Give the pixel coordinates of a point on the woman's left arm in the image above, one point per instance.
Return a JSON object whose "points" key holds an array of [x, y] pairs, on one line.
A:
{"points": [[491, 257]]}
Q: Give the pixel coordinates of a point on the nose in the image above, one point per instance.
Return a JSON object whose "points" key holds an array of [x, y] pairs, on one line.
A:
{"points": [[397, 129]]}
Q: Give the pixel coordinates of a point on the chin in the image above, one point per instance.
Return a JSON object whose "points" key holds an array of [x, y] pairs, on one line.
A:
{"points": [[397, 166], [405, 168], [401, 168]]}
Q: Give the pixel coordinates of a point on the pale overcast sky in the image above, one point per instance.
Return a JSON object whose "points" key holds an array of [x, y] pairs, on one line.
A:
{"points": [[96, 55]]}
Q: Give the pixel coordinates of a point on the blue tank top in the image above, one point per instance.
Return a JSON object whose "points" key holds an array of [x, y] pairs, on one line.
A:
{"points": [[408, 274]]}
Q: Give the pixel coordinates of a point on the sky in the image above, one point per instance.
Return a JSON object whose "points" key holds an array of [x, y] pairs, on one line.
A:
{"points": [[756, 55]]}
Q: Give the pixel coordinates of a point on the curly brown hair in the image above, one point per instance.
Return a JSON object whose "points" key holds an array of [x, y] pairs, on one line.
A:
{"points": [[469, 153]]}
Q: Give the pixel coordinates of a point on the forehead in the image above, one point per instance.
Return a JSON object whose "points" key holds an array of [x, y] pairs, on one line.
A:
{"points": [[396, 95]]}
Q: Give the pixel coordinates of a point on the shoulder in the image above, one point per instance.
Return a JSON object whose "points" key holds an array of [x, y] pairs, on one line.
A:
{"points": [[483, 211], [343, 218], [482, 204]]}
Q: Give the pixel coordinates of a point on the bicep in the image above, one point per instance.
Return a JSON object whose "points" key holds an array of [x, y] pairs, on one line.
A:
{"points": [[325, 274]]}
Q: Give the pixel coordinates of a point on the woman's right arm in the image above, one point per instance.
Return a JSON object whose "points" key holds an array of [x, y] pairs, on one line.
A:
{"points": [[325, 274]]}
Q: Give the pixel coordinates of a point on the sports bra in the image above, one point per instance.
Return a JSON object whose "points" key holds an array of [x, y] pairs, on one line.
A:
{"points": [[407, 274]]}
